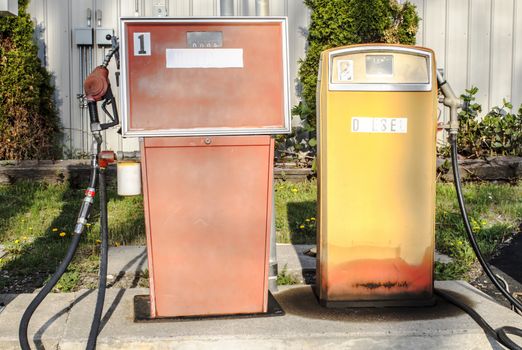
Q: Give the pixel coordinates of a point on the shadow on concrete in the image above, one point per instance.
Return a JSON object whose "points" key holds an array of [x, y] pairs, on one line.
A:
{"points": [[302, 302], [141, 259], [38, 335], [5, 299]]}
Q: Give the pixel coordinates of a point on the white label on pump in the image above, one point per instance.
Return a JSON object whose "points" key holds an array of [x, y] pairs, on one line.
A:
{"points": [[380, 125], [204, 58]]}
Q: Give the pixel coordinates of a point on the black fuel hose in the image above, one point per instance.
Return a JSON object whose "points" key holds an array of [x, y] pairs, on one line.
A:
{"points": [[502, 333], [83, 215], [102, 282]]}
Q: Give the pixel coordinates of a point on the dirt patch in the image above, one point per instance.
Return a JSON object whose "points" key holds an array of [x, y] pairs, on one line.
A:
{"points": [[28, 283], [507, 265]]}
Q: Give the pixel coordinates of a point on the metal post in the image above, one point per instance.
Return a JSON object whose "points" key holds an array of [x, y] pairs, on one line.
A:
{"points": [[262, 8], [272, 262], [226, 7]]}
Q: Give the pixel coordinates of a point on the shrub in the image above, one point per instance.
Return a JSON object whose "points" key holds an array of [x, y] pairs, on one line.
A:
{"points": [[29, 126], [498, 133], [343, 22]]}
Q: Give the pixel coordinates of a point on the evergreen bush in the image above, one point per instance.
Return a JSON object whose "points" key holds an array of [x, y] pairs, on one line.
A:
{"points": [[29, 124], [337, 23]]}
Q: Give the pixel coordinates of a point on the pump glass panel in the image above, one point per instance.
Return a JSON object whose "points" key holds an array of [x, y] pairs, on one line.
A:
{"points": [[381, 65], [388, 71]]}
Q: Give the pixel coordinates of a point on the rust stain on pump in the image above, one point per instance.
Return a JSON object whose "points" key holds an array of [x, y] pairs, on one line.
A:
{"points": [[377, 122], [379, 278]]}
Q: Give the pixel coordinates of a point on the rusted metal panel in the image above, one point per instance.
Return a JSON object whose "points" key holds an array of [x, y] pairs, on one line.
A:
{"points": [[208, 225], [239, 86]]}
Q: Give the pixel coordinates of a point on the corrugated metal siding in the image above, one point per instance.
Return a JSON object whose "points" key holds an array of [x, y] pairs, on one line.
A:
{"points": [[477, 43]]}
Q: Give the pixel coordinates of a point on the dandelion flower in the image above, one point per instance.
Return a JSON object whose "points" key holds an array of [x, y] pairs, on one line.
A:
{"points": [[30, 228], [294, 190], [88, 225], [301, 226], [54, 229], [62, 234], [17, 241], [24, 238], [313, 219], [307, 220]]}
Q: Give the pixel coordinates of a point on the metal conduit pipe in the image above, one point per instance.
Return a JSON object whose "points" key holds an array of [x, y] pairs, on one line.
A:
{"points": [[226, 7], [272, 261], [262, 8]]}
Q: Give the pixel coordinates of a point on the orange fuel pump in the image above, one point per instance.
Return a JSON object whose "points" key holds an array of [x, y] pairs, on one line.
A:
{"points": [[205, 96]]}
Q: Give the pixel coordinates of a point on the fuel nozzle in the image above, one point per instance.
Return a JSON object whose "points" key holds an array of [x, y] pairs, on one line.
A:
{"points": [[97, 87], [452, 101], [97, 84]]}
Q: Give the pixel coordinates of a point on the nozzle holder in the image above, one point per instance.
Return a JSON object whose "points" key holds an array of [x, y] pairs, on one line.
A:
{"points": [[105, 158]]}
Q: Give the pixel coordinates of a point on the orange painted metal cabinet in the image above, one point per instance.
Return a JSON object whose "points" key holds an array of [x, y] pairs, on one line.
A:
{"points": [[205, 96], [377, 118]]}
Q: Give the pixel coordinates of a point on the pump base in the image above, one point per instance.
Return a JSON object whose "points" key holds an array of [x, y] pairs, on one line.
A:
{"points": [[378, 303], [142, 312]]}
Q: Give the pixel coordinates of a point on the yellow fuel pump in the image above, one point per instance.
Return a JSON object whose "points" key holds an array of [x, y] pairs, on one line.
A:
{"points": [[377, 123]]}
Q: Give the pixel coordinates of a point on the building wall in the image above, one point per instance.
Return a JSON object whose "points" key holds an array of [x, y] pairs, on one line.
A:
{"points": [[477, 43]]}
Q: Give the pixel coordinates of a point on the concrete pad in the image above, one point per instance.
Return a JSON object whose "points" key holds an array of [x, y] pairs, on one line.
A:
{"points": [[46, 327], [442, 258], [2, 251], [132, 259], [306, 325], [127, 259], [291, 258]]}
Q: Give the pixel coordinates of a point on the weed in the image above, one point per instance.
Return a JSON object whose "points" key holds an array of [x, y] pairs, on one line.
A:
{"points": [[284, 278]]}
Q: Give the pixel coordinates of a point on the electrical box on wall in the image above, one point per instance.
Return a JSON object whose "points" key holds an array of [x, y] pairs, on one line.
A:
{"points": [[8, 8], [83, 36], [159, 8], [103, 36], [205, 76]]}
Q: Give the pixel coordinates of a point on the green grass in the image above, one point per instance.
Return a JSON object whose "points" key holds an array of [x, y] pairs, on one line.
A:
{"points": [[36, 221], [295, 206], [32, 216], [284, 278], [495, 211]]}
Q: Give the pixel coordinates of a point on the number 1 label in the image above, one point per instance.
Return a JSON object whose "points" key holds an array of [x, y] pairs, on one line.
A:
{"points": [[141, 44]]}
